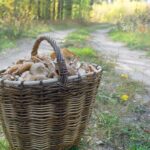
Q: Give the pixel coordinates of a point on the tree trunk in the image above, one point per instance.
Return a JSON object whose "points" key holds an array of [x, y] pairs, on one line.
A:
{"points": [[68, 4], [38, 9], [47, 13], [91, 2], [43, 4], [60, 10], [54, 4]]}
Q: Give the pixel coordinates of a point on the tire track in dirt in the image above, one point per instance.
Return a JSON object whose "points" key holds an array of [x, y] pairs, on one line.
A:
{"points": [[128, 61]]}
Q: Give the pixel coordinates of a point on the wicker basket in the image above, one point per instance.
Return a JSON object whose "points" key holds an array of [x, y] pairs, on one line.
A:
{"points": [[50, 114]]}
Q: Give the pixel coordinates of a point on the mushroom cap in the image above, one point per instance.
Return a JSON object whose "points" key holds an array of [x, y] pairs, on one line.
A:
{"points": [[38, 68]]}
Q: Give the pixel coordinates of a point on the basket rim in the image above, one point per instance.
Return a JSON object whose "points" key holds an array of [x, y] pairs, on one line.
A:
{"points": [[47, 81]]}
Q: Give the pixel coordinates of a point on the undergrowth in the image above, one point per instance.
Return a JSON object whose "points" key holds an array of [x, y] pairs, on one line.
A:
{"points": [[3, 144], [115, 102], [37, 28], [7, 43], [8, 39], [9, 36], [134, 40]]}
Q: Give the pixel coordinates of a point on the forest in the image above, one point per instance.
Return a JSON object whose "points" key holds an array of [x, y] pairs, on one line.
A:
{"points": [[16, 16], [114, 34], [47, 9]]}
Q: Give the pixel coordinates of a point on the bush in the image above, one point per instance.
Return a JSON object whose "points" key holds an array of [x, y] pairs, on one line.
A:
{"points": [[14, 20], [137, 22], [118, 9]]}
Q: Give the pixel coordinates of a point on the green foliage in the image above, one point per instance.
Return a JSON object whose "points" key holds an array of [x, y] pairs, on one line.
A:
{"points": [[14, 18], [137, 22], [106, 12], [6, 43], [83, 52], [30, 18], [133, 28], [78, 36], [3, 144], [37, 28], [106, 123], [107, 120], [44, 10], [138, 147], [134, 40], [137, 138]]}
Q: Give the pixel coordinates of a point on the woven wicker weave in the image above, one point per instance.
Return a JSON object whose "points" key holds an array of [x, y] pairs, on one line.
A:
{"points": [[50, 114]]}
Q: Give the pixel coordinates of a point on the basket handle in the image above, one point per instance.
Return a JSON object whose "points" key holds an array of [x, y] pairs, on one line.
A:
{"points": [[63, 72]]}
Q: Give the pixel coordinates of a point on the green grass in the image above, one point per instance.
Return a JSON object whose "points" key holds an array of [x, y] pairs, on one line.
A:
{"points": [[137, 138], [79, 37], [8, 37], [37, 28], [3, 144], [6, 43], [108, 113], [106, 122], [134, 40], [83, 52]]}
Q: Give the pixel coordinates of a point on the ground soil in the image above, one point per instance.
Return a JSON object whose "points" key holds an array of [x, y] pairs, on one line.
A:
{"points": [[132, 62]]}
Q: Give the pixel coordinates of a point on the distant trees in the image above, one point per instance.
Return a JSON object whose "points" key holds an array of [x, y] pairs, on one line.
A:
{"points": [[18, 15], [51, 9], [48, 9]]}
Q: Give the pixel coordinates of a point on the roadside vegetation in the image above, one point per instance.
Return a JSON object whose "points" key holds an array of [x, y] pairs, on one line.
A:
{"points": [[113, 12], [28, 18], [134, 40], [112, 123], [131, 25]]}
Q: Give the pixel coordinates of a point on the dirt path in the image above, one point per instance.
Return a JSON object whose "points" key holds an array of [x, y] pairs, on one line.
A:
{"points": [[24, 47], [133, 63]]}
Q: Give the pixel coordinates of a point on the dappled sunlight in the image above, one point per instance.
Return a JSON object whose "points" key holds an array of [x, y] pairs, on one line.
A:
{"points": [[115, 11]]}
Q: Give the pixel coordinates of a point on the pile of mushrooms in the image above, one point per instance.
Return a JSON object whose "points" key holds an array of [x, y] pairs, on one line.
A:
{"points": [[42, 67]]}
